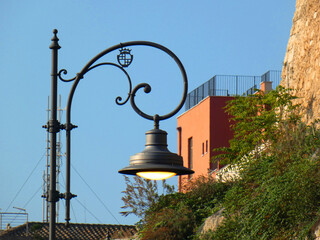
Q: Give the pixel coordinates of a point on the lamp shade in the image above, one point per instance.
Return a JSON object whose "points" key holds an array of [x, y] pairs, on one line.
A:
{"points": [[156, 161]]}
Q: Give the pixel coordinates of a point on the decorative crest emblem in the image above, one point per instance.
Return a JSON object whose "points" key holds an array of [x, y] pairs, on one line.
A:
{"points": [[125, 57]]}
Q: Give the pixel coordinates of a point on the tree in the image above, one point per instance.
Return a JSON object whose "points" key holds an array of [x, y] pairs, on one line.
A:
{"points": [[176, 216], [257, 120], [141, 194], [277, 194]]}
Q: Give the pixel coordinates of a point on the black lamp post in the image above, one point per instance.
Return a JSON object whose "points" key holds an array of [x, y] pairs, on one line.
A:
{"points": [[155, 162]]}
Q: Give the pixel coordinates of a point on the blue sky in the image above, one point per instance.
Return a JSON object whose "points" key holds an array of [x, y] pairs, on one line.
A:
{"points": [[210, 37]]}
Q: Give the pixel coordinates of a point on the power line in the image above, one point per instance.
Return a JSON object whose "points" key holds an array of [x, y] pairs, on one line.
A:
{"points": [[83, 207], [88, 211], [25, 182], [27, 203], [95, 194], [32, 197], [74, 213]]}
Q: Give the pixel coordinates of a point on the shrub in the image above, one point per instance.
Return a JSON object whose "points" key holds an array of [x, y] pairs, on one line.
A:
{"points": [[277, 195], [177, 216]]}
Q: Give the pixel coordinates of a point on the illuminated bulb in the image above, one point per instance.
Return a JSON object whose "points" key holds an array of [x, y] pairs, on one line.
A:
{"points": [[156, 175]]}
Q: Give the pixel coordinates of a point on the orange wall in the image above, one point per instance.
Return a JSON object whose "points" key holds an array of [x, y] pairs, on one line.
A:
{"points": [[207, 121]]}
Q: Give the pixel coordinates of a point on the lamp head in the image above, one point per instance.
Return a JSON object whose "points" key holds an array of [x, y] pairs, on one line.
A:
{"points": [[156, 162]]}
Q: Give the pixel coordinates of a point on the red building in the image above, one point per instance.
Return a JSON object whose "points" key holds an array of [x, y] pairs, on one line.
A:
{"points": [[201, 129], [205, 125]]}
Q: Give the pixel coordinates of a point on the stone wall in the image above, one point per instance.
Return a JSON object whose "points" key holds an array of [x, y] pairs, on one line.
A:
{"points": [[301, 70]]}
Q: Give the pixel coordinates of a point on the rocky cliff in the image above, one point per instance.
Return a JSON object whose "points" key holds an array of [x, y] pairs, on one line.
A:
{"points": [[301, 70]]}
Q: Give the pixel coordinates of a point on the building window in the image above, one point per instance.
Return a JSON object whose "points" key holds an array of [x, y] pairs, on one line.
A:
{"points": [[190, 153], [206, 146], [202, 149]]}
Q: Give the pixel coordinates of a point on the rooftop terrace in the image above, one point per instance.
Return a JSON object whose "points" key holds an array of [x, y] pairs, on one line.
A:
{"points": [[231, 85]]}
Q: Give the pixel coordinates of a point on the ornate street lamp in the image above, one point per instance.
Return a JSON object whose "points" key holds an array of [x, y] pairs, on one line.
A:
{"points": [[154, 162]]}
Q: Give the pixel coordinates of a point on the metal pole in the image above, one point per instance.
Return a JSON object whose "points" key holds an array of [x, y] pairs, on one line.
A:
{"points": [[53, 128], [68, 170], [48, 165], [58, 159]]}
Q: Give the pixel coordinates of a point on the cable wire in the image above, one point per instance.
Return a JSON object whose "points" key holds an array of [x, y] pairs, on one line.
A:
{"points": [[26, 181], [95, 194], [27, 203], [88, 211], [33, 196], [74, 213]]}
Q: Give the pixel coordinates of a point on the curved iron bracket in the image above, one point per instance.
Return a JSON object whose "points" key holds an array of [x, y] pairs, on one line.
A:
{"points": [[118, 99], [90, 65]]}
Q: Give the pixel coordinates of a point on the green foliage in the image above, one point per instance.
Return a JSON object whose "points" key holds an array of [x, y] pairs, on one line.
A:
{"points": [[176, 216], [256, 120], [277, 194], [169, 223], [141, 194]]}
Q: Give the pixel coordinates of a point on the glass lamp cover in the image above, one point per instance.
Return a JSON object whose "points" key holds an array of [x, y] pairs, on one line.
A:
{"points": [[156, 175]]}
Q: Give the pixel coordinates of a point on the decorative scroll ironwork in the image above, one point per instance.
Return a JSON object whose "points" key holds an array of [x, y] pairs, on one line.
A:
{"points": [[65, 72], [118, 99], [125, 58]]}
